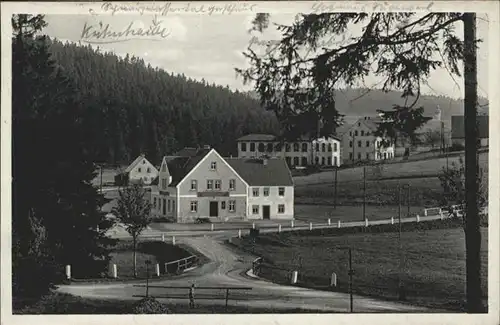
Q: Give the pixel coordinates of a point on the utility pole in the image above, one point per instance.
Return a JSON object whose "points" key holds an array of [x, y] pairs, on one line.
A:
{"points": [[335, 189], [100, 186], [400, 286], [472, 230], [364, 192], [353, 146], [409, 206], [351, 273]]}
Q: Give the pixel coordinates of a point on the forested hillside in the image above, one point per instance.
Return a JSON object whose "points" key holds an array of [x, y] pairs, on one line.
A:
{"points": [[132, 107]]}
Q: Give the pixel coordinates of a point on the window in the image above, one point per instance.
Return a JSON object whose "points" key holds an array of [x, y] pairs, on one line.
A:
{"points": [[329, 147], [362, 133], [169, 206], [304, 161], [335, 161], [359, 155], [385, 155], [288, 161], [316, 160], [350, 144], [244, 146], [217, 184], [317, 146], [173, 205], [367, 143], [232, 184], [252, 147], [194, 206], [154, 202], [223, 205], [322, 160], [350, 133], [269, 147], [266, 191], [359, 124], [261, 147], [281, 191], [213, 165], [323, 147], [139, 169], [335, 147], [164, 168], [255, 209], [210, 184], [281, 208], [255, 191], [232, 206], [367, 156], [304, 147], [296, 161], [329, 161], [356, 133], [367, 133], [164, 183], [359, 144], [295, 147], [148, 170], [194, 185], [350, 155]]}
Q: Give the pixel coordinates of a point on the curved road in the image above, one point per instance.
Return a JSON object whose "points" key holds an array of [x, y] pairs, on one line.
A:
{"points": [[228, 268]]}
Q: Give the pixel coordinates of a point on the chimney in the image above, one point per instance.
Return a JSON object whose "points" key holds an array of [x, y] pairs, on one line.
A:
{"points": [[206, 146]]}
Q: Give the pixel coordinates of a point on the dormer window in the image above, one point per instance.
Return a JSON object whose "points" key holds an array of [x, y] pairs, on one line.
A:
{"points": [[213, 165]]}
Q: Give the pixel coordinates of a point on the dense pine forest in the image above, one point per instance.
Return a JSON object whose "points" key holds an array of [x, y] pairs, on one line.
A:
{"points": [[133, 108]]}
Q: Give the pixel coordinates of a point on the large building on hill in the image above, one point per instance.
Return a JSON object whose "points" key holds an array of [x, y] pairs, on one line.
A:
{"points": [[359, 142], [321, 151], [458, 130], [205, 185]]}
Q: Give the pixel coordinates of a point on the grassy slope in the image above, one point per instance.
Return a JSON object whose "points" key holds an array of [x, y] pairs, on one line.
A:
{"points": [[434, 262]]}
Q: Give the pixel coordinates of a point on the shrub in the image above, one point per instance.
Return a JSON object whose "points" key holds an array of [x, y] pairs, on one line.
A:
{"points": [[150, 305]]}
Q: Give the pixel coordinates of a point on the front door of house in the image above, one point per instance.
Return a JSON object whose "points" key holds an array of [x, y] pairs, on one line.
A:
{"points": [[214, 209], [266, 212]]}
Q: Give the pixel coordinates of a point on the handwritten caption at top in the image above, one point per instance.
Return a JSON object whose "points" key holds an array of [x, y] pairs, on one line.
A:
{"points": [[177, 8]]}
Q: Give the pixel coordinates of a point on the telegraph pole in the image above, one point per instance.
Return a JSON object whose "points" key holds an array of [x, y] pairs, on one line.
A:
{"points": [[400, 286], [351, 272], [353, 146], [472, 230], [364, 192], [409, 206], [335, 189]]}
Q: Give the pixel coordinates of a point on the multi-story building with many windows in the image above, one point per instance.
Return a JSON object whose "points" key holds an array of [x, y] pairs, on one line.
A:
{"points": [[322, 151]]}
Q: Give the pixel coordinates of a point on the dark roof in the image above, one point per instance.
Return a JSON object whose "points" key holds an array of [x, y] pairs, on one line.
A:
{"points": [[257, 137], [458, 126], [186, 152], [255, 173], [179, 167]]}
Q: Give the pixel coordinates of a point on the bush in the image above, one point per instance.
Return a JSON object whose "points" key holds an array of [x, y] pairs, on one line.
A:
{"points": [[149, 305]]}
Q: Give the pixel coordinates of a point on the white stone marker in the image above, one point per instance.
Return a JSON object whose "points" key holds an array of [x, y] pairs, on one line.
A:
{"points": [[279, 228], [366, 222], [173, 240], [212, 227], [425, 212], [338, 224], [392, 220], [253, 225], [310, 226], [157, 271], [68, 272], [292, 223], [333, 280], [163, 237], [418, 218], [239, 233], [295, 276], [329, 221]]}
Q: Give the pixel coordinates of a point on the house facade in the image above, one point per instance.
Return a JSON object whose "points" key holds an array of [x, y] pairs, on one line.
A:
{"points": [[359, 142], [458, 130], [140, 170], [208, 186], [321, 151]]}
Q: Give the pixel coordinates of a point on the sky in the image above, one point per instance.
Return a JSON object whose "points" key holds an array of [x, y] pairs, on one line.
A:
{"points": [[211, 46]]}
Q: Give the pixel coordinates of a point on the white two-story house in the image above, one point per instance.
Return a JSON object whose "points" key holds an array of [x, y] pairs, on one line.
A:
{"points": [[207, 185], [139, 171]]}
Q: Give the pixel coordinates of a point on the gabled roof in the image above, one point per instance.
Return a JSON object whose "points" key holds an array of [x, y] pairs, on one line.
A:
{"points": [[256, 173], [186, 152], [179, 167], [458, 126], [134, 163], [257, 137]]}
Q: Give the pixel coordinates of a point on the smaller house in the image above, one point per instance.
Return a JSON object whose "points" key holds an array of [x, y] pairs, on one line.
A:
{"points": [[139, 171], [458, 130]]}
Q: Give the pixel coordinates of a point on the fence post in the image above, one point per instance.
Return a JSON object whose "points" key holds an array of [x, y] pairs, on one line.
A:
{"points": [[227, 297], [166, 268], [392, 220], [295, 275], [157, 269], [329, 221], [279, 228], [68, 272], [333, 280], [212, 227], [366, 222], [253, 225], [418, 218], [97, 228], [338, 224], [292, 224], [425, 212], [239, 233], [441, 214], [112, 271], [173, 240], [310, 226]]}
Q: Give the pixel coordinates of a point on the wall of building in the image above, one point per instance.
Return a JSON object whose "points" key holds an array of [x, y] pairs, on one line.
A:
{"points": [[273, 200], [143, 170], [203, 208], [164, 203], [359, 144], [326, 152]]}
